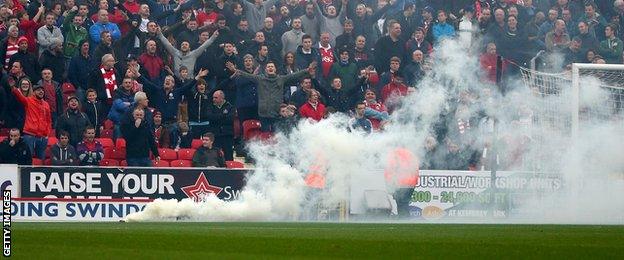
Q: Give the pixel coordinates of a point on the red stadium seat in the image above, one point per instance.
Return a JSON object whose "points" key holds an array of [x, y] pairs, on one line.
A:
{"points": [[37, 161], [123, 163], [120, 143], [106, 142], [115, 153], [251, 128], [181, 163], [2, 137], [161, 163], [48, 153], [106, 133], [167, 154], [234, 165], [52, 133], [5, 131], [196, 143], [118, 153], [108, 152], [47, 162], [108, 125], [186, 154], [109, 162]]}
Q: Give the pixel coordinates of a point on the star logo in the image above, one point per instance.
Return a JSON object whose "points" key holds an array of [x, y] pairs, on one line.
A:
{"points": [[201, 189]]}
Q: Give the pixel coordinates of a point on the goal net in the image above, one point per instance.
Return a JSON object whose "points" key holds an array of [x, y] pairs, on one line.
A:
{"points": [[586, 94], [563, 103]]}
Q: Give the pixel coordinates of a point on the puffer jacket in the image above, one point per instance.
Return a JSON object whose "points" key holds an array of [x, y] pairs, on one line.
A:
{"points": [[119, 108]]}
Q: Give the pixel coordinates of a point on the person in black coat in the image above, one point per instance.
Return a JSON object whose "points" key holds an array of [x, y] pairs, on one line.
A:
{"points": [[28, 61], [207, 155], [221, 117], [73, 121], [139, 140], [14, 149], [95, 111], [54, 59], [338, 98]]}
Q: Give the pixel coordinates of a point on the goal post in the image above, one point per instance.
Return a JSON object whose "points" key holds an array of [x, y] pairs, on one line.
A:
{"points": [[611, 77], [563, 104], [569, 99]]}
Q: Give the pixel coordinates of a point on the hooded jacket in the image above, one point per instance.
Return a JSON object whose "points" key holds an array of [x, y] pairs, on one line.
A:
{"points": [[63, 155], [74, 122], [38, 114]]}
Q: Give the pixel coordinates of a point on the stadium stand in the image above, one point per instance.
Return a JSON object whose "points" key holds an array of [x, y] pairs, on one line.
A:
{"points": [[397, 41]]}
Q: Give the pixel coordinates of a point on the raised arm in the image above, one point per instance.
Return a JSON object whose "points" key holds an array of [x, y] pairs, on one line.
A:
{"points": [[343, 10], [39, 15], [319, 12], [377, 15], [232, 68], [69, 18], [172, 50], [299, 74], [18, 95], [267, 4], [187, 87], [148, 84]]}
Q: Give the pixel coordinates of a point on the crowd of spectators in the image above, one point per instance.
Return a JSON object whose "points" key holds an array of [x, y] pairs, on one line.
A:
{"points": [[166, 72]]}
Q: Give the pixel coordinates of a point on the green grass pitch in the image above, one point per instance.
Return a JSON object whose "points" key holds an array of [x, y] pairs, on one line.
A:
{"points": [[184, 240]]}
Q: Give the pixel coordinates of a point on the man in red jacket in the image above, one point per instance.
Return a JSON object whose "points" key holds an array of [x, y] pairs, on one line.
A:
{"points": [[38, 122]]}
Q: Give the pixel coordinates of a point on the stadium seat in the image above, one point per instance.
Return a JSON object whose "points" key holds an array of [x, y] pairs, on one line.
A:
{"points": [[161, 163], [52, 141], [108, 124], [5, 131], [186, 154], [106, 142], [37, 161], [52, 133], [106, 133], [109, 162], [2, 137], [115, 153], [251, 128], [48, 153], [167, 154], [234, 165], [181, 163], [196, 143], [120, 143], [123, 163], [47, 162], [108, 152]]}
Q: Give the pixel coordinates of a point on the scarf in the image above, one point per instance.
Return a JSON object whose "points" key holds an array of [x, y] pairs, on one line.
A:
{"points": [[11, 48], [110, 82]]}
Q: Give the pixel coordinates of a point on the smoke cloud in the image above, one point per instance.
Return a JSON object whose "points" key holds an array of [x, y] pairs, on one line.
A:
{"points": [[533, 135]]}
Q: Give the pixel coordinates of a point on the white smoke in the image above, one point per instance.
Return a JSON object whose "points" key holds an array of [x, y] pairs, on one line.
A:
{"points": [[277, 191]]}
